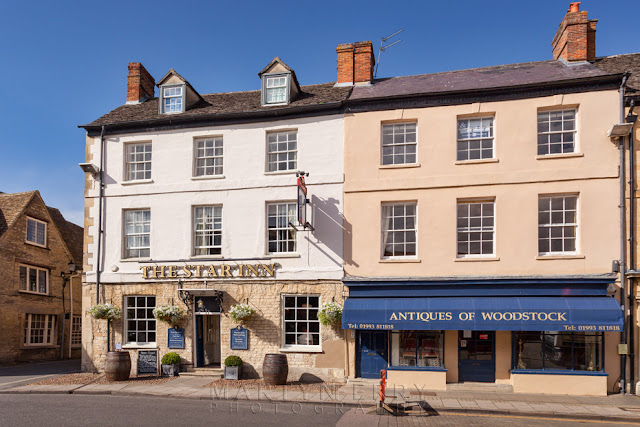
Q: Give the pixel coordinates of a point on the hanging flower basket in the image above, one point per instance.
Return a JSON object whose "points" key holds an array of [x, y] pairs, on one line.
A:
{"points": [[104, 311], [241, 312], [170, 314], [330, 313]]}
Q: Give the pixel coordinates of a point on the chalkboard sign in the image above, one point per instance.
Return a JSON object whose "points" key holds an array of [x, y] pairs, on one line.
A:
{"points": [[239, 338], [176, 338], [147, 362]]}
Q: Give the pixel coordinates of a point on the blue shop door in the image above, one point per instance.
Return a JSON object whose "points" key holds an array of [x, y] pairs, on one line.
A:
{"points": [[476, 356], [372, 353]]}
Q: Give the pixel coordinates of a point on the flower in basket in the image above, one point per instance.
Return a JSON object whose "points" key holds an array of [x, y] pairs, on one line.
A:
{"points": [[330, 313], [170, 314], [104, 311], [241, 312]]}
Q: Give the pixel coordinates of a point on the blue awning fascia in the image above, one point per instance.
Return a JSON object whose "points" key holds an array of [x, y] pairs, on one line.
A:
{"points": [[581, 314]]}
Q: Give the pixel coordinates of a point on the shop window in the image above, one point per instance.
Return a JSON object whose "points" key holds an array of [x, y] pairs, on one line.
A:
{"points": [[553, 350], [39, 329], [423, 349], [300, 320], [399, 230], [139, 321]]}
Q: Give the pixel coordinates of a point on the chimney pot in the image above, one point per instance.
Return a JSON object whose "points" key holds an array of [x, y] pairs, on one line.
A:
{"points": [[574, 7]]}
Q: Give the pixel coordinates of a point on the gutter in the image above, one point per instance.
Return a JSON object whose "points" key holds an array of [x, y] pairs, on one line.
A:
{"points": [[100, 197]]}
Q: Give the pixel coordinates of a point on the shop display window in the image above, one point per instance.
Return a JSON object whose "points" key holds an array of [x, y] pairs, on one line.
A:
{"points": [[422, 349], [554, 350]]}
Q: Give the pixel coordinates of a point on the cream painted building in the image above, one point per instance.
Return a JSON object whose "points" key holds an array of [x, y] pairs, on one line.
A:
{"points": [[199, 210], [481, 222]]}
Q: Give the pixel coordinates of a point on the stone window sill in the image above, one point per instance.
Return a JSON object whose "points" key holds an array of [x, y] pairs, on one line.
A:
{"points": [[400, 166], [551, 257], [281, 255], [34, 293], [476, 161], [136, 260], [151, 346], [399, 260], [206, 177], [38, 347], [559, 156], [477, 259], [300, 350], [289, 172], [139, 181]]}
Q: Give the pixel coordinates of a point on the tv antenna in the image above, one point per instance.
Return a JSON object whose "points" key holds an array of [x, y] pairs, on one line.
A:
{"points": [[384, 48]]}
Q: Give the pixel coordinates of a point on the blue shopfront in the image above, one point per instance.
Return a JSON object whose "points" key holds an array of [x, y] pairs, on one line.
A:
{"points": [[483, 330]]}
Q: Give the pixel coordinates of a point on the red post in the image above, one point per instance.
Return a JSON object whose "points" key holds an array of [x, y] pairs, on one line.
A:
{"points": [[383, 381]]}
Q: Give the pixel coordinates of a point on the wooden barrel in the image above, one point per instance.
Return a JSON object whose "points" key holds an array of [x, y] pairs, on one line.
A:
{"points": [[275, 369], [118, 366]]}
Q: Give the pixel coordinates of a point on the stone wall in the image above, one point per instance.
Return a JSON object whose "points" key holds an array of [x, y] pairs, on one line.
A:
{"points": [[14, 304], [264, 327]]}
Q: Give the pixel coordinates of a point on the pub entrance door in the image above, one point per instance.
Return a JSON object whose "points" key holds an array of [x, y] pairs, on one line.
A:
{"points": [[476, 356], [207, 340]]}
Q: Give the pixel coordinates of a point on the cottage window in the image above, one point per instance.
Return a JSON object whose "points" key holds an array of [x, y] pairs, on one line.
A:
{"points": [[475, 228], [300, 320], [34, 279], [557, 224], [399, 230], [475, 138], [139, 321], [138, 162], [399, 144], [36, 232], [209, 158], [556, 132], [281, 237], [39, 329], [208, 230], [137, 233]]}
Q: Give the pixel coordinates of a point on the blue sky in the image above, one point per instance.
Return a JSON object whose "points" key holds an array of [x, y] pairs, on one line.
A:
{"points": [[65, 63]]}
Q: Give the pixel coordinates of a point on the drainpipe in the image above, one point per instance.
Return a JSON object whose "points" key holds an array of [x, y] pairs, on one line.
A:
{"points": [[100, 216], [632, 251], [623, 245]]}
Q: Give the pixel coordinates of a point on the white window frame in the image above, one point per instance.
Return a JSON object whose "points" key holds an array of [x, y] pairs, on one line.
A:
{"points": [[283, 324], [131, 167], [267, 78], [125, 235], [479, 139], [38, 270], [278, 153], [215, 219], [181, 97], [135, 319], [37, 223], [389, 129], [287, 228], [551, 225], [385, 230], [49, 337], [562, 133], [217, 156], [76, 331], [482, 229]]}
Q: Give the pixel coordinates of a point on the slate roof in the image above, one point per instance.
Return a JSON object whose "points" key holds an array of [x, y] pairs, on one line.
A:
{"points": [[225, 105], [499, 76], [629, 62], [11, 206], [71, 233]]}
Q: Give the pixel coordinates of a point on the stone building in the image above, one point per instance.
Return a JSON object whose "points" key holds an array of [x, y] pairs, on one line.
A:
{"points": [[40, 305], [200, 209]]}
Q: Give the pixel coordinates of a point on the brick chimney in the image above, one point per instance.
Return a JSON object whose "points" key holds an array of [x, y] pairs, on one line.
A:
{"points": [[355, 63], [140, 84], [575, 39]]}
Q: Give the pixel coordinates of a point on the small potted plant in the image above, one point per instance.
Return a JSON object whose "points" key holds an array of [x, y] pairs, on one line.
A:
{"points": [[232, 366], [170, 314], [241, 312], [170, 364], [330, 313]]}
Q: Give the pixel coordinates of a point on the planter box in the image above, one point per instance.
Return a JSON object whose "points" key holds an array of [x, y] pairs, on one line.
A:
{"points": [[170, 370], [231, 372]]}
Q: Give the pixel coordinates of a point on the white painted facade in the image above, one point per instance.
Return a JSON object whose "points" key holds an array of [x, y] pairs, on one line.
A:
{"points": [[243, 191]]}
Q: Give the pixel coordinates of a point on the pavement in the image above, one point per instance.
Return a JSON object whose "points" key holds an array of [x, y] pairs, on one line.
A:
{"points": [[12, 376], [613, 408]]}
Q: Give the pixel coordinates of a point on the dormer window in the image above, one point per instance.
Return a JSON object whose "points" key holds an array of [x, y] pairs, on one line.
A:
{"points": [[276, 89], [172, 99]]}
